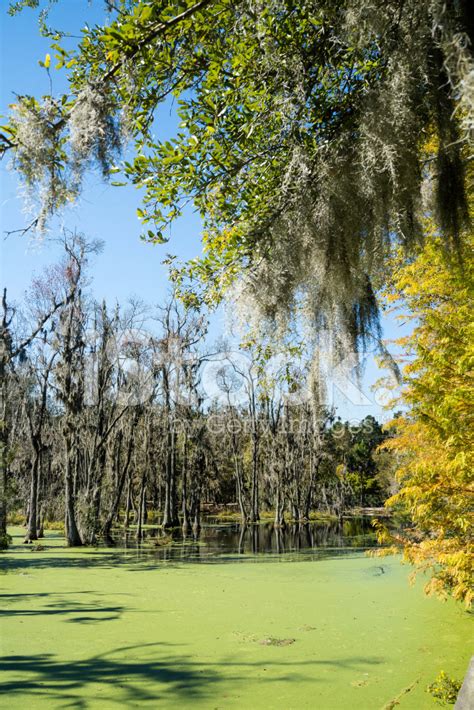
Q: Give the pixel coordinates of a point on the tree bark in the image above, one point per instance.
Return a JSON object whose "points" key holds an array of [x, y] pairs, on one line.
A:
{"points": [[120, 485], [32, 529], [73, 538]]}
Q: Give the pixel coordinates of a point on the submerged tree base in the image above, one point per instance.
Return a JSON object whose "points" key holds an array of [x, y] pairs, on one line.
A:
{"points": [[114, 628]]}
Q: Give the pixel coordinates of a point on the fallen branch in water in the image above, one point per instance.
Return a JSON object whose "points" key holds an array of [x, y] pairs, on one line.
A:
{"points": [[396, 701]]}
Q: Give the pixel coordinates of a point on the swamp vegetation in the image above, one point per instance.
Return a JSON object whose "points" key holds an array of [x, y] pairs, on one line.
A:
{"points": [[110, 420], [106, 628], [183, 523]]}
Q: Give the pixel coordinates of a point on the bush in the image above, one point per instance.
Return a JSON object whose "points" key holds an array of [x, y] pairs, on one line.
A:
{"points": [[445, 690], [16, 518], [5, 541], [54, 525]]}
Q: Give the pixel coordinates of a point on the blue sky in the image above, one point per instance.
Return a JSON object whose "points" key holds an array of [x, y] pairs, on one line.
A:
{"points": [[127, 267]]}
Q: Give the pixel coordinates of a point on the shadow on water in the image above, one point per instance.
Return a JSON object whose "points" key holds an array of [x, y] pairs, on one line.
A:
{"points": [[57, 604], [158, 674]]}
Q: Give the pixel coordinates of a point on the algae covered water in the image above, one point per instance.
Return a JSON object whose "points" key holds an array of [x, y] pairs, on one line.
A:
{"points": [[110, 628]]}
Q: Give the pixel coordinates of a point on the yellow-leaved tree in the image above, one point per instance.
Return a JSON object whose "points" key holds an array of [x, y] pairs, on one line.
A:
{"points": [[434, 439]]}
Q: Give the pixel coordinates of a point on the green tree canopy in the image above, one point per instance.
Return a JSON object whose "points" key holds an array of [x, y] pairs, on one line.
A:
{"points": [[301, 138]]}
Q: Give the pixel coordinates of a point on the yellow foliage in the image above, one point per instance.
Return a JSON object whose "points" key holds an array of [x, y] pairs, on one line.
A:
{"points": [[434, 441]]}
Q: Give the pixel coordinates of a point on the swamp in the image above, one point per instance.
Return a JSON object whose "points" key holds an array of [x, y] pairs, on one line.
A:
{"points": [[198, 625], [236, 354]]}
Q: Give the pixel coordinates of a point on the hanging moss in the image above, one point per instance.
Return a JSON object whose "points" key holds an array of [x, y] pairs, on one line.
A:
{"points": [[302, 143]]}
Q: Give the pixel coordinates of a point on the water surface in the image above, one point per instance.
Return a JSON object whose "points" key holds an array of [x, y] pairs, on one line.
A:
{"points": [[113, 628], [230, 541]]}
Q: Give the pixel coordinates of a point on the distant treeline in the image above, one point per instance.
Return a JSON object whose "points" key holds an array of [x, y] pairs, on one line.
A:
{"points": [[109, 414]]}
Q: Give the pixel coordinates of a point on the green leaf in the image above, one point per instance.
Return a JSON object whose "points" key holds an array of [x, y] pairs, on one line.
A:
{"points": [[146, 13]]}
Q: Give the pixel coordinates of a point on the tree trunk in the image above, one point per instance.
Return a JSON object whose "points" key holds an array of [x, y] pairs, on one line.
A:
{"points": [[197, 516], [120, 486], [185, 510], [39, 524], [309, 495], [170, 516], [128, 505], [73, 539], [3, 497], [141, 507], [32, 530], [279, 506], [4, 350], [239, 490], [255, 516]]}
